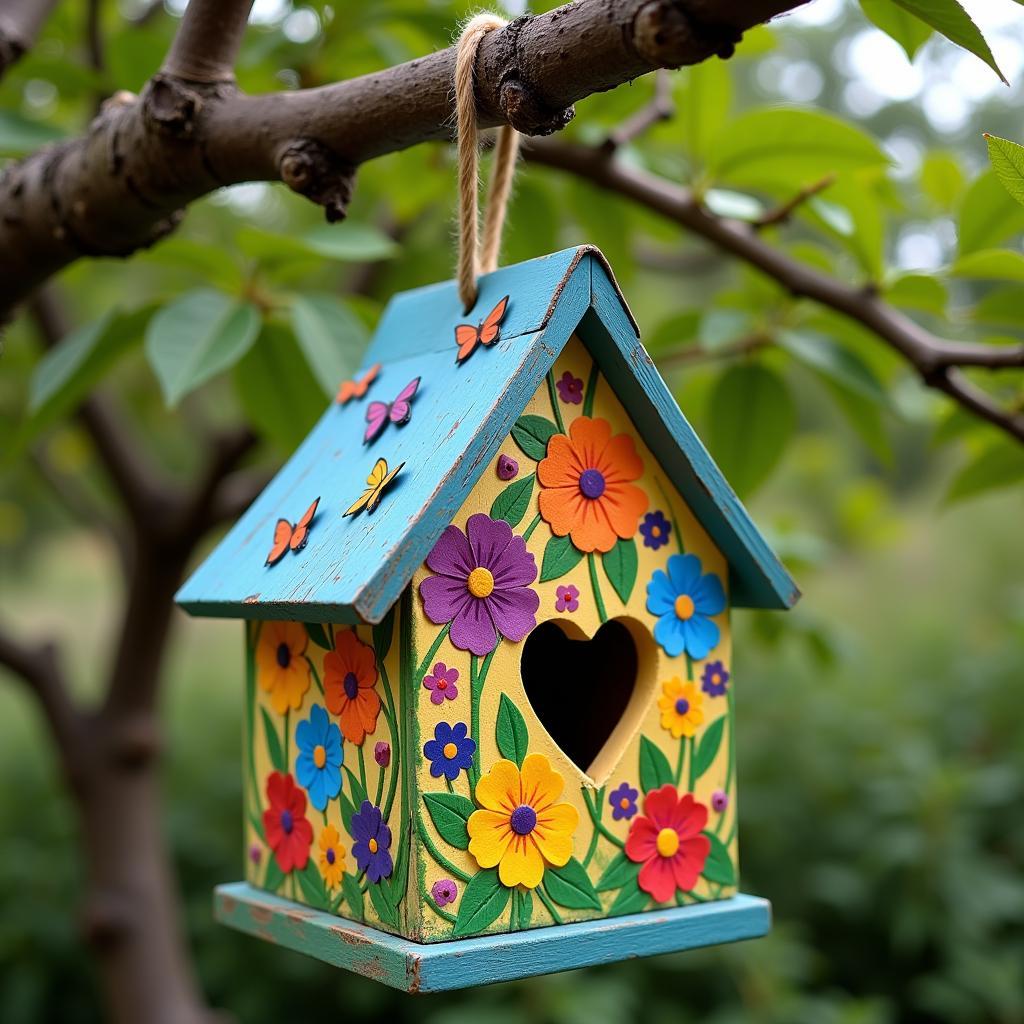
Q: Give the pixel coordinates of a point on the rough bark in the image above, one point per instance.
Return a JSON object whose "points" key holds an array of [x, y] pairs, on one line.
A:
{"points": [[20, 22]]}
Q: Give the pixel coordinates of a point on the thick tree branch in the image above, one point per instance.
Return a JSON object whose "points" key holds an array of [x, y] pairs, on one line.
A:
{"points": [[207, 43], [20, 22]]}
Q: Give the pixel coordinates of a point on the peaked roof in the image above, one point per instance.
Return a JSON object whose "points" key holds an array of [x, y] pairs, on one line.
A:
{"points": [[354, 569]]}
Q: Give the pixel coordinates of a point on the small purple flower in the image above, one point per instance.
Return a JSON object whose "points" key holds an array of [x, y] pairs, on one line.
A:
{"points": [[508, 468], [715, 679], [444, 892], [372, 846], [719, 800], [441, 683], [567, 598], [382, 753], [255, 854], [450, 751], [655, 529], [623, 801], [570, 388]]}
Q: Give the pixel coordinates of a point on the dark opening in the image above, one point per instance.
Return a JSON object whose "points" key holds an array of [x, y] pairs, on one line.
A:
{"points": [[579, 689]]}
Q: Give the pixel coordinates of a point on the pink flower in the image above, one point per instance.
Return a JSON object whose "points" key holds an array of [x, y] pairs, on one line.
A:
{"points": [[507, 468], [567, 598], [444, 892], [382, 753], [570, 388], [442, 683]]}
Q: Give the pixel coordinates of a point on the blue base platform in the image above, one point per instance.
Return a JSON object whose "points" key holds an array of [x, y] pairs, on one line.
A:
{"points": [[439, 966]]}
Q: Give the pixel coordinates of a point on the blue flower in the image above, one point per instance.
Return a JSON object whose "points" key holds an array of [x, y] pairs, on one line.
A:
{"points": [[655, 529], [318, 765], [450, 751], [684, 601]]}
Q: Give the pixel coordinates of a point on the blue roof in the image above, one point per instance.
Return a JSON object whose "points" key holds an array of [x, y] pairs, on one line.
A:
{"points": [[354, 569]]}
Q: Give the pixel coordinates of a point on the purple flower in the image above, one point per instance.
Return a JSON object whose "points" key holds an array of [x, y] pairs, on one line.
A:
{"points": [[442, 683], [719, 800], [444, 892], [382, 753], [508, 468], [715, 679], [623, 801], [655, 529], [372, 846], [482, 586], [450, 751], [255, 854], [567, 599], [570, 388]]}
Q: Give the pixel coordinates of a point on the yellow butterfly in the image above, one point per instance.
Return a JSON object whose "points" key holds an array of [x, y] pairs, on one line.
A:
{"points": [[378, 479]]}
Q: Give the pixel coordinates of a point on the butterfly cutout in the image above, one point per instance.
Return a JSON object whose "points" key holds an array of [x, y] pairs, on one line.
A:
{"points": [[467, 337], [357, 388], [287, 536], [378, 479], [398, 411]]}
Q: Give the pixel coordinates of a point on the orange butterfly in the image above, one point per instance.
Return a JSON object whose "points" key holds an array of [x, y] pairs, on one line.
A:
{"points": [[357, 388], [467, 337], [287, 536]]}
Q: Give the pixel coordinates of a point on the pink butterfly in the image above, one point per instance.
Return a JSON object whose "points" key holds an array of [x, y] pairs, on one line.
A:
{"points": [[398, 411]]}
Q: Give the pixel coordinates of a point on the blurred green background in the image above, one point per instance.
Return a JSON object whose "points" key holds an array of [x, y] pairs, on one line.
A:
{"points": [[881, 726]]}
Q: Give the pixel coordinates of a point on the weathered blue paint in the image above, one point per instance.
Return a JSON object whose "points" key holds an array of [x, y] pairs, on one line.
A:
{"points": [[440, 966], [355, 569]]}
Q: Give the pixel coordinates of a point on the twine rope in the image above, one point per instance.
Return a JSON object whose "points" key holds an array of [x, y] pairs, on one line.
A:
{"points": [[474, 258]]}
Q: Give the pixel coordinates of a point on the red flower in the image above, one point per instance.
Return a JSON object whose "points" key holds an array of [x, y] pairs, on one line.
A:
{"points": [[667, 840], [288, 833]]}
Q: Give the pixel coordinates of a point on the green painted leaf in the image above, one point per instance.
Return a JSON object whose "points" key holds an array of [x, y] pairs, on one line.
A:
{"points": [[482, 903], [513, 501], [347, 810], [274, 749], [331, 337], [318, 635], [559, 558], [718, 867], [621, 871], [450, 813], [358, 791], [707, 749], [196, 337], [274, 875], [631, 900], [989, 215], [512, 734], [380, 897], [655, 770], [353, 896], [1000, 465], [909, 31], [383, 635], [312, 886], [948, 18], [532, 434], [525, 908], [1008, 162], [620, 565], [834, 362], [570, 886]]}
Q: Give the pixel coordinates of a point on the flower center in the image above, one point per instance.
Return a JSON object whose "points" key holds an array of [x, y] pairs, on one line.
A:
{"points": [[351, 686], [284, 655], [655, 532], [591, 483], [716, 679], [287, 822], [684, 607], [319, 755], [682, 706], [442, 684], [668, 842], [329, 855], [523, 820], [480, 582], [372, 844], [624, 803], [450, 750]]}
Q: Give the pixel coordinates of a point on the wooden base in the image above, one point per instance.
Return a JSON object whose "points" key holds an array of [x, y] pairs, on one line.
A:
{"points": [[435, 967]]}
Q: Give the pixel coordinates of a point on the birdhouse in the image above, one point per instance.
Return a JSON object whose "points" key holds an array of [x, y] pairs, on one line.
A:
{"points": [[489, 683]]}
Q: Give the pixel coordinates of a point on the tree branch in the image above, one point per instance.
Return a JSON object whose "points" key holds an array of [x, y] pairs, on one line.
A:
{"points": [[660, 108], [20, 23], [206, 44]]}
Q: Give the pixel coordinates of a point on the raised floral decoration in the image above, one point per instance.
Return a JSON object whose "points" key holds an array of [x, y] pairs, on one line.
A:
{"points": [[623, 801], [372, 846], [332, 856], [441, 683], [444, 891], [586, 484], [685, 599], [320, 757], [666, 839], [282, 668], [715, 680], [681, 707], [520, 828], [450, 751], [567, 598], [655, 530], [507, 468], [288, 832], [350, 675], [570, 388], [482, 585]]}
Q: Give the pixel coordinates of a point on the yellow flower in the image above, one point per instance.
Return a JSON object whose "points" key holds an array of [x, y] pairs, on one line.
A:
{"points": [[332, 857], [681, 707], [281, 664], [520, 827]]}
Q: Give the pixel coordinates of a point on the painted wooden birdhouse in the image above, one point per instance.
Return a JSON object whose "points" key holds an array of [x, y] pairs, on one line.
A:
{"points": [[489, 679]]}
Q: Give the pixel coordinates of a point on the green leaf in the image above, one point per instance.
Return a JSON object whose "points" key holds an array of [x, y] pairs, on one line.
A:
{"points": [[1000, 465], [274, 875], [532, 434], [1008, 162], [525, 908], [990, 265], [450, 814], [707, 749], [718, 867], [20, 136], [736, 205], [942, 180], [318, 635], [655, 770], [988, 215], [353, 896], [620, 565], [570, 886], [350, 241], [833, 361], [559, 558], [631, 900], [511, 732], [274, 749], [359, 796], [513, 501], [63, 362], [312, 886], [948, 18], [383, 635], [331, 337], [751, 420], [703, 104], [347, 810], [621, 871], [380, 897], [197, 337], [483, 902], [909, 31]]}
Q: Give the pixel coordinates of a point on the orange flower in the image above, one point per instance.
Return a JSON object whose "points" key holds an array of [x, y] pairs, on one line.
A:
{"points": [[350, 674], [587, 491], [282, 668]]}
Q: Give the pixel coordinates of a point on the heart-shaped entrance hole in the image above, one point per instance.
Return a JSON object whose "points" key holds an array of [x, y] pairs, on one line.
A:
{"points": [[590, 693]]}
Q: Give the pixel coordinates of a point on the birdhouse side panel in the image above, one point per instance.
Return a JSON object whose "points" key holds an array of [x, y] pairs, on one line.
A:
{"points": [[325, 788], [571, 693]]}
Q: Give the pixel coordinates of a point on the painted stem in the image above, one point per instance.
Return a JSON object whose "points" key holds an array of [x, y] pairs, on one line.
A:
{"points": [[588, 399], [554, 401], [679, 760], [287, 733], [396, 761], [429, 657], [692, 744], [730, 766], [555, 916], [362, 765], [671, 516], [474, 717], [599, 801], [596, 819], [439, 857], [598, 600], [528, 533], [316, 675]]}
